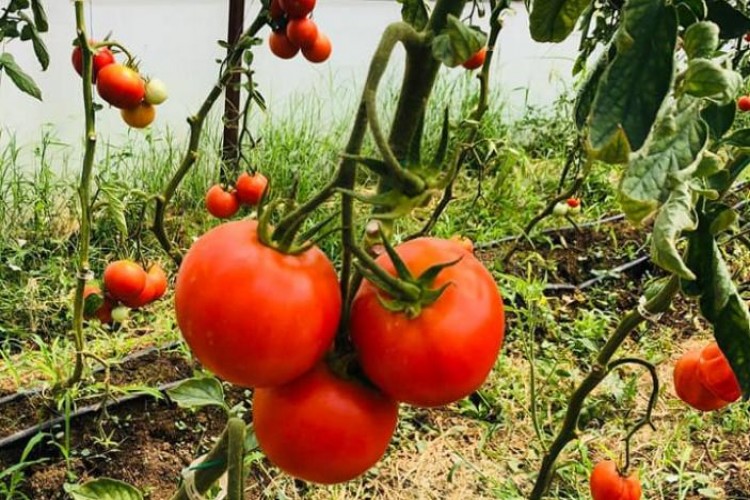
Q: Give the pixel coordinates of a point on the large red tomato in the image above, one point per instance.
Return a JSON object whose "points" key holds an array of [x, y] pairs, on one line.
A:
{"points": [[447, 351], [322, 428], [715, 373], [120, 86], [607, 483], [688, 386], [251, 314]]}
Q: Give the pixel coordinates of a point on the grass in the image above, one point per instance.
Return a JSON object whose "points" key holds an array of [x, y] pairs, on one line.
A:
{"points": [[484, 448]]}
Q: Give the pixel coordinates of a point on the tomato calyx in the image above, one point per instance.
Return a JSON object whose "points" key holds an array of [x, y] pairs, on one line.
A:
{"points": [[406, 293]]}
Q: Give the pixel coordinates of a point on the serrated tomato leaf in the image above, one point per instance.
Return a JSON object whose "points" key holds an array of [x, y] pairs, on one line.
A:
{"points": [[554, 20], [674, 218]]}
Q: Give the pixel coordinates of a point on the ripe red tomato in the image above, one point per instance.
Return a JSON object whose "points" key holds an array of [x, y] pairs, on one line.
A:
{"points": [[120, 86], [124, 280], [251, 314], [744, 103], [688, 386], [477, 60], [140, 116], [318, 51], [302, 32], [102, 57], [715, 373], [275, 10], [322, 428], [144, 298], [157, 275], [220, 203], [573, 202], [250, 188], [447, 351], [281, 46], [297, 8], [607, 484]]}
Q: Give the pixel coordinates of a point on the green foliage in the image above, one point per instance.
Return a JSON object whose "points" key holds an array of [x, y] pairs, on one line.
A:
{"points": [[414, 12], [457, 43], [197, 393], [103, 489], [24, 20], [554, 20]]}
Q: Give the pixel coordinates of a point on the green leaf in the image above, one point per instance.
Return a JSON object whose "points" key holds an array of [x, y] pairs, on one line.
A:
{"points": [[670, 158], [197, 393], [719, 118], [415, 13], [457, 43], [697, 7], [710, 164], [40, 16], [720, 302], [707, 78], [733, 23], [554, 20], [23, 81], [723, 218], [103, 489], [586, 95], [739, 138], [114, 204], [40, 50], [675, 217], [639, 78], [701, 39]]}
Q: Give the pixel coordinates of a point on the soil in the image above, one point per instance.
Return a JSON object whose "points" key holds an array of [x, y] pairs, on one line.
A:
{"points": [[148, 442]]}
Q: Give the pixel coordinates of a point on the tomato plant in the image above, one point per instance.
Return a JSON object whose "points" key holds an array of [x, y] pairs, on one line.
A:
{"points": [[444, 351], [323, 428], [220, 203], [120, 86], [608, 484], [233, 299]]}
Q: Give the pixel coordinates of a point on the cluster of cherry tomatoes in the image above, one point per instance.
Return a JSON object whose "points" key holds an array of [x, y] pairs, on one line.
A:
{"points": [[295, 31], [571, 206], [248, 190], [263, 319], [703, 378], [123, 86], [126, 286]]}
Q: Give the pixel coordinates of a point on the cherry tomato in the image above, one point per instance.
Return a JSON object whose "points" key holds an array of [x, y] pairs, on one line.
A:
{"points": [[102, 57], [322, 428], [318, 51], [297, 8], [156, 92], [744, 103], [251, 314], [220, 203], [120, 86], [477, 60], [573, 202], [302, 32], [275, 10], [607, 484], [445, 352], [281, 46], [715, 373], [250, 188], [688, 385], [140, 116], [560, 210], [124, 280]]}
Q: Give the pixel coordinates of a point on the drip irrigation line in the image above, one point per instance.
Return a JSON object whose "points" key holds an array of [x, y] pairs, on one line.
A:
{"points": [[557, 287], [25, 434], [130, 357]]}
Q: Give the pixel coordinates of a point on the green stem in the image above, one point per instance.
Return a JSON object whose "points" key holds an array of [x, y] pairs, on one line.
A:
{"points": [[84, 195], [196, 128], [118, 45], [235, 459], [598, 372]]}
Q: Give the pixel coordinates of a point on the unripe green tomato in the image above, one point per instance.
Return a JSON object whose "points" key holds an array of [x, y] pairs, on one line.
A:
{"points": [[561, 209], [120, 314], [156, 92], [574, 210]]}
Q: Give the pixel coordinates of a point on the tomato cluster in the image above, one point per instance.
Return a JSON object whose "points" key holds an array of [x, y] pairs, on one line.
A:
{"points": [[123, 87], [263, 319], [704, 379], [248, 190], [126, 286], [607, 483], [295, 31]]}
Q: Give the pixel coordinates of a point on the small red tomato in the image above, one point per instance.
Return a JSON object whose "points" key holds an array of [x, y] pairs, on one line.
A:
{"points": [[121, 86], [573, 202], [477, 60], [220, 203], [302, 32], [281, 46], [715, 373], [322, 428], [688, 386], [608, 484], [275, 10], [744, 103], [297, 8], [102, 57], [250, 189], [124, 280], [318, 51]]}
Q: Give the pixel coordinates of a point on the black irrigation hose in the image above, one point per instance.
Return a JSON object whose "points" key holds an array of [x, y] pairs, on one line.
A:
{"points": [[557, 287], [25, 434], [130, 357]]}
